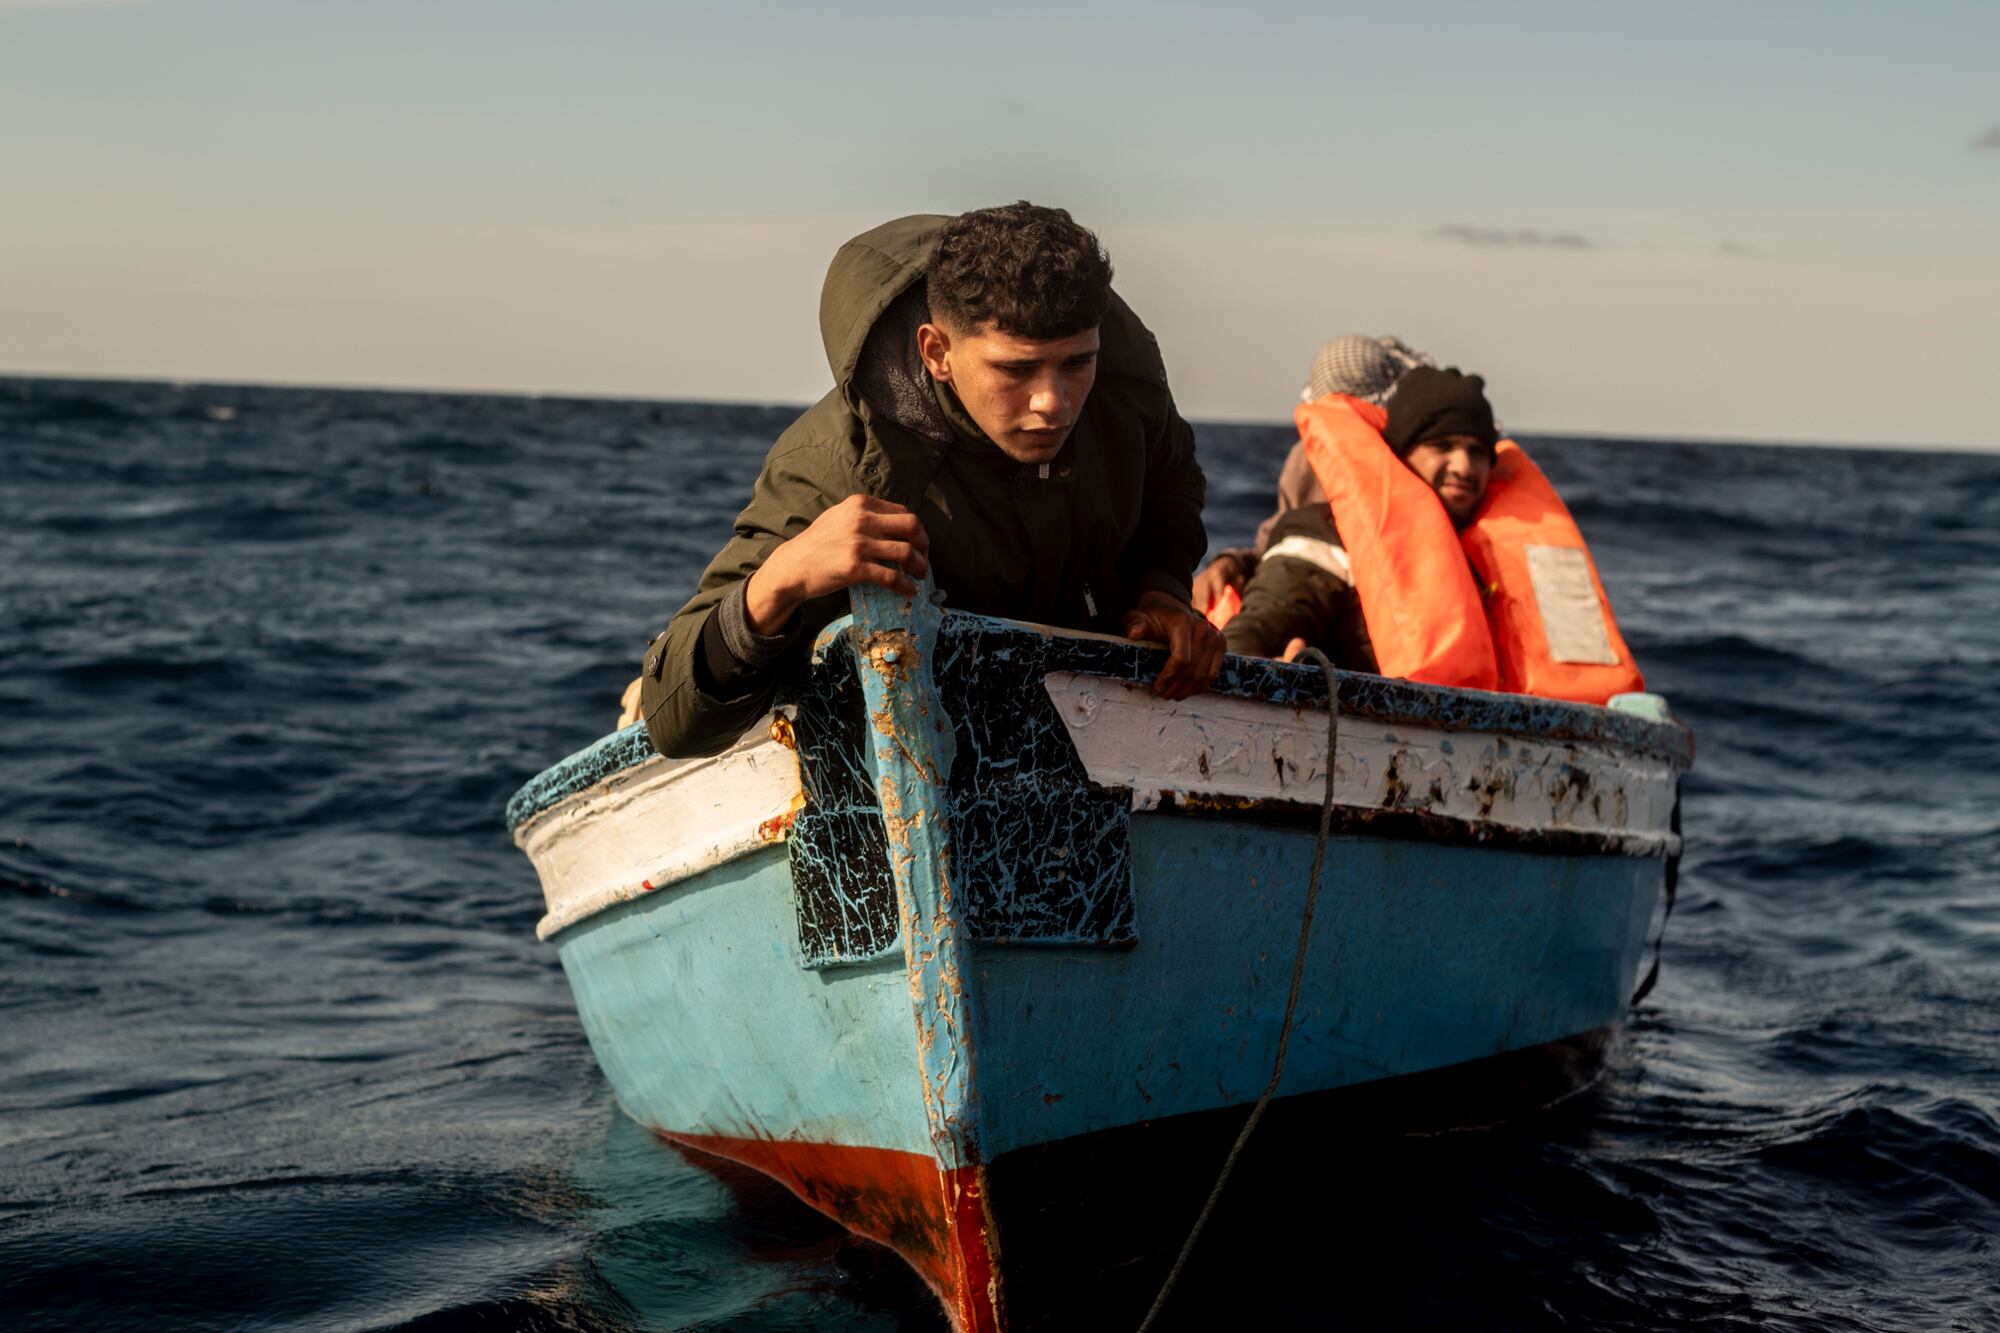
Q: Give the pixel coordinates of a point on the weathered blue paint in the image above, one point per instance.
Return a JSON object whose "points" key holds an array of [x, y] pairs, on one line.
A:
{"points": [[1422, 957], [1042, 854], [1429, 954], [705, 1022], [581, 771], [716, 1013], [912, 750], [839, 850]]}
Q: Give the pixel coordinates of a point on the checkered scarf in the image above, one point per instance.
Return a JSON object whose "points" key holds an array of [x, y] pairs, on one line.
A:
{"points": [[1367, 368]]}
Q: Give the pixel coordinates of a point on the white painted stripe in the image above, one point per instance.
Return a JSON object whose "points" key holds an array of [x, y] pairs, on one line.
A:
{"points": [[1219, 746], [657, 823]]}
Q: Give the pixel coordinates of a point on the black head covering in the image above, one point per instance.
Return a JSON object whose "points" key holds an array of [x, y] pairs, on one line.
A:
{"points": [[1430, 404]]}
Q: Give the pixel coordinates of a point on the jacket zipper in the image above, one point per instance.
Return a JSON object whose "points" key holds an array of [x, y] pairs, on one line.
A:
{"points": [[1089, 602]]}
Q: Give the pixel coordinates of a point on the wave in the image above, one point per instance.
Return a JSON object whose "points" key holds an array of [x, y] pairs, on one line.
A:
{"points": [[268, 966]]}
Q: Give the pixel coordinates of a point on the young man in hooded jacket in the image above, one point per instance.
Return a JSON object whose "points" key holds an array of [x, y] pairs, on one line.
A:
{"points": [[1000, 419]]}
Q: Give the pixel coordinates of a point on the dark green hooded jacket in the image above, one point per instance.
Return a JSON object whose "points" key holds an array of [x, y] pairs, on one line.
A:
{"points": [[1118, 512]]}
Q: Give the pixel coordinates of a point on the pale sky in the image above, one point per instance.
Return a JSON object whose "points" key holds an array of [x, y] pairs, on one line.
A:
{"points": [[1746, 220]]}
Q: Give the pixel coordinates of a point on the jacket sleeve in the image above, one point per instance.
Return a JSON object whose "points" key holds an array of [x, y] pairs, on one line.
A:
{"points": [[1286, 599], [799, 482], [1170, 540]]}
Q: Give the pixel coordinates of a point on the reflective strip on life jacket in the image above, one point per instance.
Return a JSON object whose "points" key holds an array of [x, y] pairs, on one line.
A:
{"points": [[1553, 629], [1417, 593]]}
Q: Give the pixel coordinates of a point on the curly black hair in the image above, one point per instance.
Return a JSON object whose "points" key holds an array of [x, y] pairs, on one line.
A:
{"points": [[1033, 271]]}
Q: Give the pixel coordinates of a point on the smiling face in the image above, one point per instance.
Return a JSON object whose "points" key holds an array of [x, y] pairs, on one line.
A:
{"points": [[1457, 467], [1025, 393]]}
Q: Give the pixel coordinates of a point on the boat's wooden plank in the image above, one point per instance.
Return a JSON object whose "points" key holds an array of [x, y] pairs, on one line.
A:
{"points": [[913, 747], [1041, 806], [1231, 754], [654, 824], [1362, 695]]}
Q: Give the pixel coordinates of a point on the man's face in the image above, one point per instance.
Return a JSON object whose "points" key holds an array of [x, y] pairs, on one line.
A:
{"points": [[1457, 467], [1026, 394]]}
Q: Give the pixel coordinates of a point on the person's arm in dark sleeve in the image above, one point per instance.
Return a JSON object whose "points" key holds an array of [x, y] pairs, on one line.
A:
{"points": [[1161, 559], [808, 535], [734, 658], [1288, 599], [709, 677], [1170, 540]]}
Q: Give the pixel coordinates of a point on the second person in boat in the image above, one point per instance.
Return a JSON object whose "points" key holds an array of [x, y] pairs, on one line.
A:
{"points": [[1444, 545], [1353, 364], [1302, 591]]}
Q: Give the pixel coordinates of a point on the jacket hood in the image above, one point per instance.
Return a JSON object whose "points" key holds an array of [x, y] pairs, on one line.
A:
{"points": [[880, 273]]}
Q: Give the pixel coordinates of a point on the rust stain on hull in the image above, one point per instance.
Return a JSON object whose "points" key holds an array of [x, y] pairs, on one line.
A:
{"points": [[924, 1212], [1409, 826]]}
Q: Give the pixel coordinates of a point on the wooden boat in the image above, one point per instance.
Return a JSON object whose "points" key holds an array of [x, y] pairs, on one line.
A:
{"points": [[983, 950]]}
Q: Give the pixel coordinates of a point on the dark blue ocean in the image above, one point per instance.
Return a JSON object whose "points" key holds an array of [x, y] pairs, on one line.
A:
{"points": [[279, 1049]]}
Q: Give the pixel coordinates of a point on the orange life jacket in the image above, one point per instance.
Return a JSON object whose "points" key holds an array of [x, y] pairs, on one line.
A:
{"points": [[1222, 608], [1536, 621], [1417, 595], [1552, 624]]}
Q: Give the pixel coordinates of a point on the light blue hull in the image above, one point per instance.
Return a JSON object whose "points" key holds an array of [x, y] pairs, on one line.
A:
{"points": [[1009, 938], [707, 1023]]}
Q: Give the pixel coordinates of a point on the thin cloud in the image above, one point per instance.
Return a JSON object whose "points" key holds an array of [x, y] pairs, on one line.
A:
{"points": [[1513, 238], [1738, 250], [1990, 139]]}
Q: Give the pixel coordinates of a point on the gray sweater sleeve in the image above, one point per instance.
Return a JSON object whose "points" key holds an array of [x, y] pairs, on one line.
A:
{"points": [[736, 660]]}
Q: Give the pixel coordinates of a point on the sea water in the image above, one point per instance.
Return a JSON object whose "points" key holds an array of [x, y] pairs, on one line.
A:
{"points": [[279, 1049]]}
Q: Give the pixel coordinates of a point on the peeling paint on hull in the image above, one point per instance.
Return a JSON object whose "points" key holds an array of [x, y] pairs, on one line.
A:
{"points": [[936, 930]]}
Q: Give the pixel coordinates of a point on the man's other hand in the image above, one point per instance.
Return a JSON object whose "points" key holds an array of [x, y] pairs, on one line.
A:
{"points": [[1223, 572], [628, 703], [1194, 647], [860, 540]]}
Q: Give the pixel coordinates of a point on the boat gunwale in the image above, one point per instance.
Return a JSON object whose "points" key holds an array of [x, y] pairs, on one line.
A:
{"points": [[1378, 698]]}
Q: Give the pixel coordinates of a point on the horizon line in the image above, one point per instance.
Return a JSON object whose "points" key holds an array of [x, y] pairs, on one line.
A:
{"points": [[177, 382]]}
